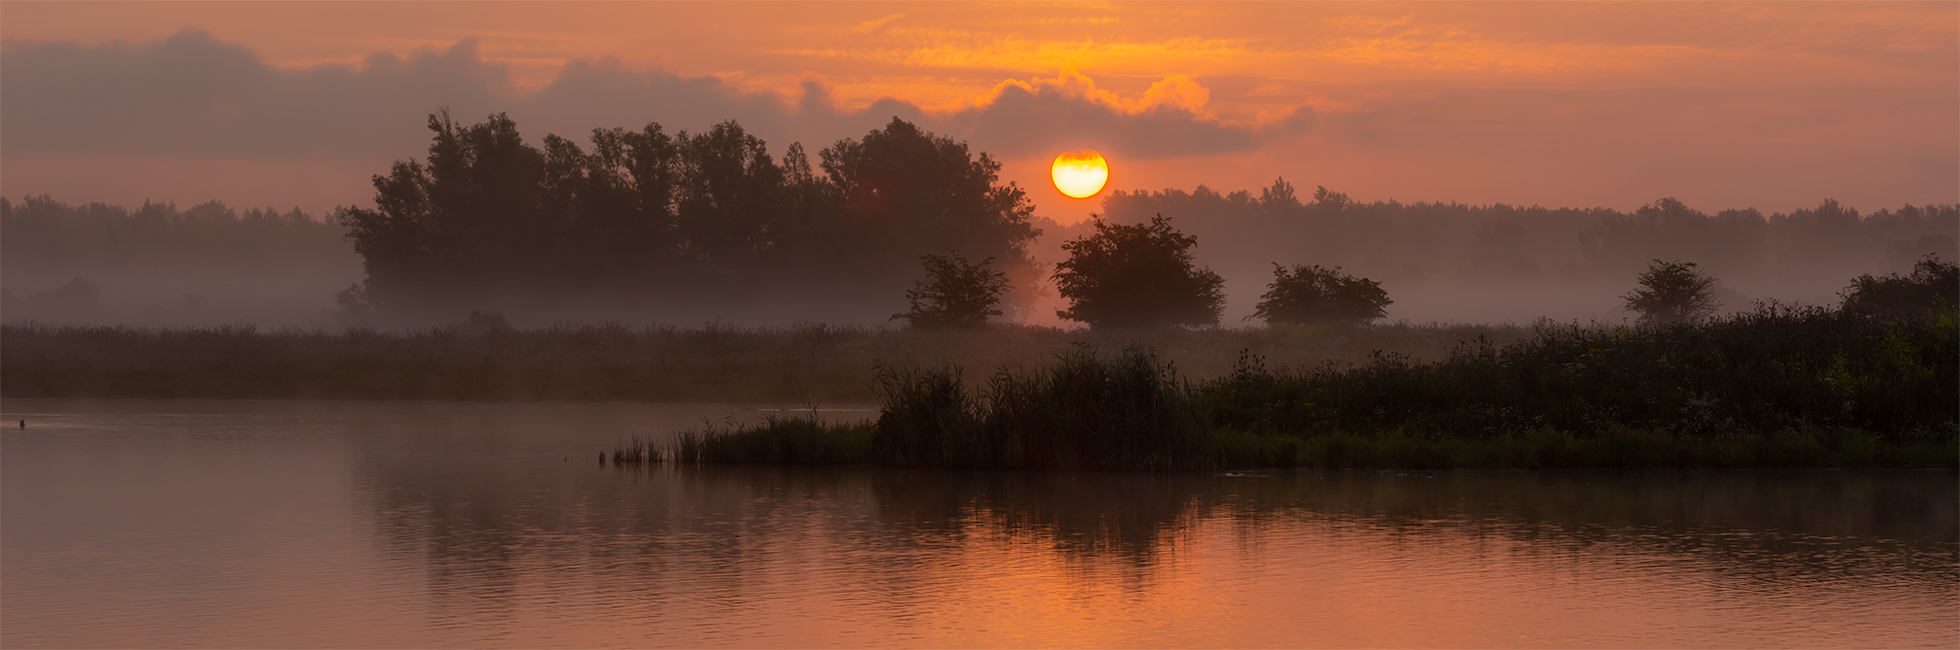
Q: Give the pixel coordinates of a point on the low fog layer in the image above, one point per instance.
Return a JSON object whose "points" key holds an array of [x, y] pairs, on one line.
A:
{"points": [[645, 226], [211, 264], [158, 265], [1496, 263]]}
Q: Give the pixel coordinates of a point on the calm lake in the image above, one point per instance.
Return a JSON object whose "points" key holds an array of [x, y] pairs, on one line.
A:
{"points": [[134, 523]]}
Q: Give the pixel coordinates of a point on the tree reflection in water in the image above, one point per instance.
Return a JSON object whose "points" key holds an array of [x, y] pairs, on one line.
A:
{"points": [[477, 533]]}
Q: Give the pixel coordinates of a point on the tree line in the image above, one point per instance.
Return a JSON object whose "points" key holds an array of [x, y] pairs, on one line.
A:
{"points": [[657, 220], [488, 220], [42, 232]]}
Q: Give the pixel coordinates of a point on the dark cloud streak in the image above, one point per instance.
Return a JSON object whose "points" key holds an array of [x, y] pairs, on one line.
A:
{"points": [[192, 94]]}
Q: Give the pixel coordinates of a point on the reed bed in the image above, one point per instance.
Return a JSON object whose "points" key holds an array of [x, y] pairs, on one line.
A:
{"points": [[1085, 410], [637, 451], [1777, 387]]}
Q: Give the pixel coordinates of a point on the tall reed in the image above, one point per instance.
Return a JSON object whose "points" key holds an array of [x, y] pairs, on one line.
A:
{"points": [[1084, 410], [778, 440]]}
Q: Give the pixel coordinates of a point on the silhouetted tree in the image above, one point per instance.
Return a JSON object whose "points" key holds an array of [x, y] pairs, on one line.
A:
{"points": [[1730, 241], [1312, 294], [1335, 201], [1137, 276], [489, 218], [906, 192], [1933, 285], [730, 197], [467, 224], [955, 293], [1279, 198], [619, 229], [1673, 292]]}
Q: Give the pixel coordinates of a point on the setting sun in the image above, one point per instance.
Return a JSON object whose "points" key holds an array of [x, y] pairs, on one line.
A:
{"points": [[1081, 174]]}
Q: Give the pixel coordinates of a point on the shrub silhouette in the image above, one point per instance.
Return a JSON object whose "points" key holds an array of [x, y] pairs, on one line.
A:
{"points": [[1137, 276], [1933, 285], [955, 293], [1313, 294], [1673, 292]]}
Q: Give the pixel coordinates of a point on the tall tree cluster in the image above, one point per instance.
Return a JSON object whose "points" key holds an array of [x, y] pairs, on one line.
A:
{"points": [[488, 220]]}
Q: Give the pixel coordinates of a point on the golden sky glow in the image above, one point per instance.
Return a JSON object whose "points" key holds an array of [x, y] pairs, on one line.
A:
{"points": [[1773, 105]]}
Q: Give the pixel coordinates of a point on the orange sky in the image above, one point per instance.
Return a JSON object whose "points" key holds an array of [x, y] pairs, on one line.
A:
{"points": [[1771, 105]]}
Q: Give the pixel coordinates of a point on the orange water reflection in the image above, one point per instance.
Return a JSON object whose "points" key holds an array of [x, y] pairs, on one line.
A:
{"points": [[341, 525]]}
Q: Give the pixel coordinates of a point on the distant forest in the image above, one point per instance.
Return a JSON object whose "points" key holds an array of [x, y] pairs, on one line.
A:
{"points": [[1240, 233], [685, 227], [161, 265], [39, 232]]}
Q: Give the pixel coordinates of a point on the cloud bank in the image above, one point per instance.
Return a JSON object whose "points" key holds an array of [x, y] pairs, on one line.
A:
{"points": [[192, 94], [191, 117]]}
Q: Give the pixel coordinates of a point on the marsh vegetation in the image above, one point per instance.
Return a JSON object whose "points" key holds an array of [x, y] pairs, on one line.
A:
{"points": [[1775, 387]]}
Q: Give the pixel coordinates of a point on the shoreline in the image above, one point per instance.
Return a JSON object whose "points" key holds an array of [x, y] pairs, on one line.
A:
{"points": [[810, 442]]}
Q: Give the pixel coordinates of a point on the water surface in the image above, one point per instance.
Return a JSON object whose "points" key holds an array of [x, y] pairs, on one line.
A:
{"points": [[349, 524]]}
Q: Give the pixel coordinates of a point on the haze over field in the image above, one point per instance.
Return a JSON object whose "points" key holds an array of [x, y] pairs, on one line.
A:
{"points": [[1805, 143]]}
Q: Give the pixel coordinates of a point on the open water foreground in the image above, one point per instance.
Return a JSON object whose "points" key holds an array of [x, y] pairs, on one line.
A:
{"points": [[133, 523]]}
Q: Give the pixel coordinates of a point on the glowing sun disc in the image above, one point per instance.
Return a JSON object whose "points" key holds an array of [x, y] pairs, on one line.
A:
{"points": [[1080, 175]]}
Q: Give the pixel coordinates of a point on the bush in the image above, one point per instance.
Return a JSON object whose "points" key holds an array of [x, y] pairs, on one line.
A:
{"points": [[955, 293], [1137, 276], [1673, 292], [1933, 285], [1311, 294]]}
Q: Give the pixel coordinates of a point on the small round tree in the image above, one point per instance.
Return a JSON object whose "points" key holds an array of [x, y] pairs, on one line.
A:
{"points": [[1137, 276], [955, 293], [1673, 292], [1312, 294]]}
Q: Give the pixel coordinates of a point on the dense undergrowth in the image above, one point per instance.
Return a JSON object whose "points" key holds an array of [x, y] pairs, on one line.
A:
{"points": [[1777, 387]]}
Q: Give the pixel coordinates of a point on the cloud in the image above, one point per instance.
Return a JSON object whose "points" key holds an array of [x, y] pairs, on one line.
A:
{"points": [[1070, 112], [191, 94], [873, 26]]}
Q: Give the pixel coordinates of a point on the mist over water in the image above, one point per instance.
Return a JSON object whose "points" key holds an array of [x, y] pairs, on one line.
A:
{"points": [[342, 524]]}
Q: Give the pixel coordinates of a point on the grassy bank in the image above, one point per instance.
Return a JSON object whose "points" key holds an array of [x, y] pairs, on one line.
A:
{"points": [[811, 363], [1775, 388]]}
